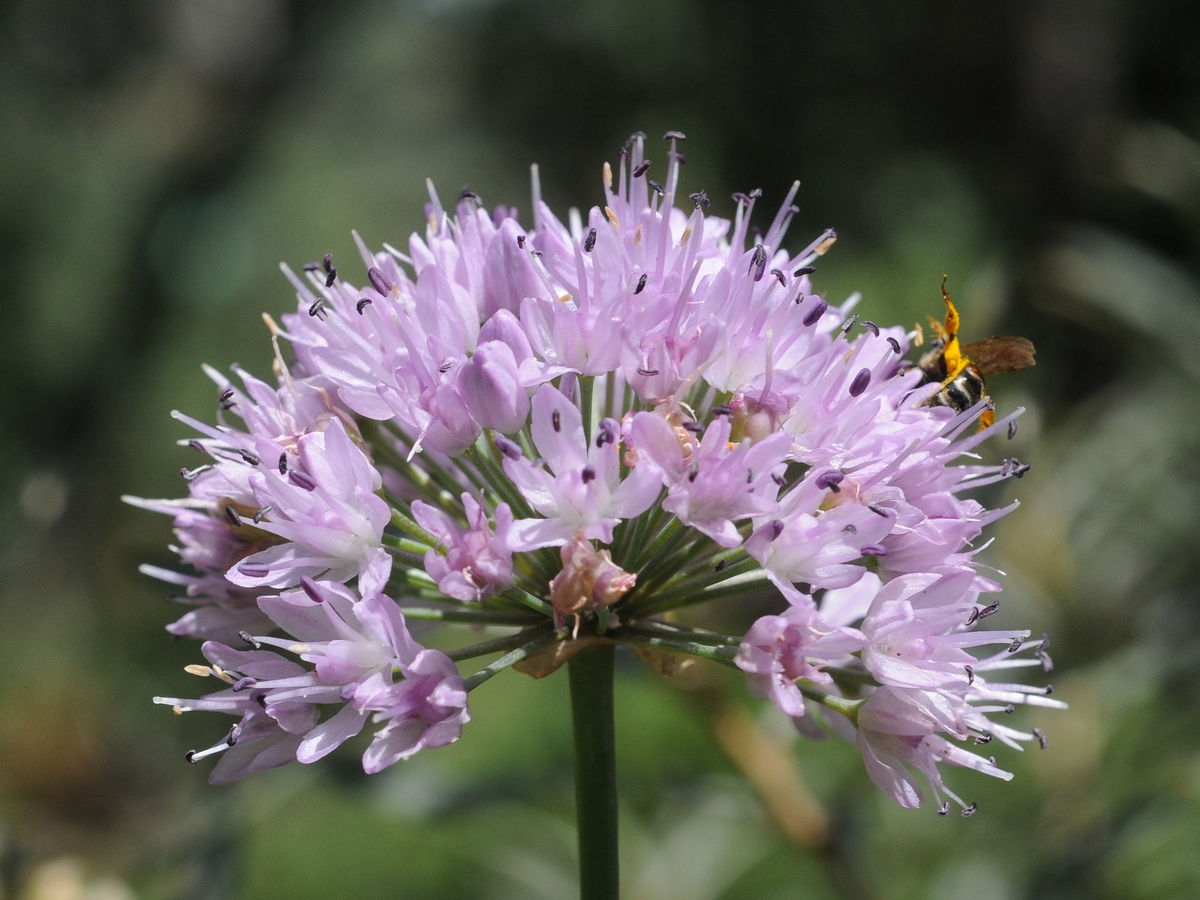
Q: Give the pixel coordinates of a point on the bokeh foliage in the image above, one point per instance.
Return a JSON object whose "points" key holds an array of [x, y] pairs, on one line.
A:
{"points": [[157, 160]]}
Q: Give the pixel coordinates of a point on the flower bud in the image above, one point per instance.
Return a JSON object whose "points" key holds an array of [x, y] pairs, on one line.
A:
{"points": [[508, 275], [491, 388]]}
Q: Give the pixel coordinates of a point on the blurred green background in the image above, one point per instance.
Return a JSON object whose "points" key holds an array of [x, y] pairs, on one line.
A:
{"points": [[158, 158]]}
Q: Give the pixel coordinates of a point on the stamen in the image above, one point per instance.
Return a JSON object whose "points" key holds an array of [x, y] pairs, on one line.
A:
{"points": [[779, 479], [720, 565], [970, 675], [776, 529], [312, 267], [362, 304], [310, 587], [1042, 740], [328, 263], [656, 187], [261, 514], [249, 458], [521, 241], [243, 683], [226, 395], [379, 281], [870, 326], [587, 475], [556, 420], [850, 529], [641, 285], [860, 382], [470, 195], [944, 809], [804, 270], [877, 509], [985, 738], [254, 570], [970, 810], [283, 467], [197, 446], [700, 198], [674, 136], [848, 325], [331, 278], [252, 641], [830, 480], [693, 427], [317, 307], [873, 550], [780, 277], [722, 410], [589, 242], [647, 373], [990, 610], [302, 481], [1012, 429], [814, 314], [233, 517], [1015, 645], [509, 448], [642, 168], [895, 345], [758, 262]]}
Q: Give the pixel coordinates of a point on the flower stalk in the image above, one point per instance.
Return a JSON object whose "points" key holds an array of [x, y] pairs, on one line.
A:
{"points": [[591, 674]]}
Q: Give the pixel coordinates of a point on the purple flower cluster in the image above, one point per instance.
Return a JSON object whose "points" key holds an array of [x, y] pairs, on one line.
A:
{"points": [[571, 431]]}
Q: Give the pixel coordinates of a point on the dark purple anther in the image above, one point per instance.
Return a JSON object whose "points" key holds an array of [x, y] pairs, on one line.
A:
{"points": [[607, 433], [642, 169], [556, 420], [720, 565], [985, 738], [331, 278], [804, 270], [310, 587], [780, 277], [225, 395], [850, 529], [190, 756], [870, 326], [874, 550], [468, 194], [990, 610], [282, 463], [830, 480], [249, 458], [1042, 740], [674, 136], [588, 474], [379, 281], [722, 410], [970, 675], [813, 315], [944, 809], [509, 448], [248, 638], [234, 519], [970, 810], [700, 198], [646, 373], [197, 446], [328, 262], [363, 303], [302, 481], [758, 263], [253, 570], [849, 324], [312, 267], [641, 285], [656, 187], [521, 241], [1016, 645], [261, 513], [317, 308], [693, 427], [1012, 429], [895, 345], [877, 509], [776, 529], [244, 683], [860, 382], [589, 242]]}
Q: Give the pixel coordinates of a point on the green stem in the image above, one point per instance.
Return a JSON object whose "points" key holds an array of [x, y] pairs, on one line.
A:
{"points": [[514, 656], [591, 672], [722, 654], [480, 617], [496, 645]]}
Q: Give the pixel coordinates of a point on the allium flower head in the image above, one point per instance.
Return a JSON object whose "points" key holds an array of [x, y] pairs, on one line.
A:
{"points": [[564, 432]]}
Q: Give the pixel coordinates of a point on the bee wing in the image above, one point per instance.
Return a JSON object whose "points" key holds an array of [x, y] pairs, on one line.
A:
{"points": [[1001, 354]]}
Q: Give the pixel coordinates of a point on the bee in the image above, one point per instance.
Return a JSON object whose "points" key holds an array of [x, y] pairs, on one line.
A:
{"points": [[961, 369]]}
